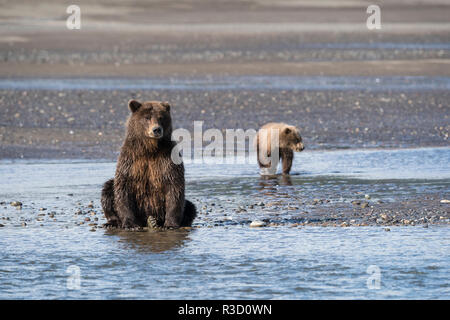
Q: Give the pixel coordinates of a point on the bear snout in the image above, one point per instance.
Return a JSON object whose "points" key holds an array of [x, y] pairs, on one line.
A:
{"points": [[300, 147], [156, 132]]}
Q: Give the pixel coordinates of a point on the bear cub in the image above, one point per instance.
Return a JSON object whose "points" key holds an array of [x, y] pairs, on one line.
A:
{"points": [[148, 187], [289, 140]]}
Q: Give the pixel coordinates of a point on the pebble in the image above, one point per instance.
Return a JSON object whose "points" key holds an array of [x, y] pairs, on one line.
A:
{"points": [[273, 224], [367, 196], [445, 201], [1, 225], [257, 224], [387, 229], [16, 203]]}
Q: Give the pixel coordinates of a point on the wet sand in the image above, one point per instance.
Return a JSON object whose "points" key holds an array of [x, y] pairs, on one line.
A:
{"points": [[124, 40], [90, 124]]}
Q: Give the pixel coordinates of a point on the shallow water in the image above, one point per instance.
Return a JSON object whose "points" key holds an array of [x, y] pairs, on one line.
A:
{"points": [[393, 83], [224, 258]]}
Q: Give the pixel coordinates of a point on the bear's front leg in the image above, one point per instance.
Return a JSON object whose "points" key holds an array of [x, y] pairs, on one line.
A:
{"points": [[125, 206], [287, 156], [174, 208]]}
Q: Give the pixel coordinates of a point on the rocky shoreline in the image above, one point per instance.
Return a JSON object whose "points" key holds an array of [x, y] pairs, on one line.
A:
{"points": [[420, 211]]}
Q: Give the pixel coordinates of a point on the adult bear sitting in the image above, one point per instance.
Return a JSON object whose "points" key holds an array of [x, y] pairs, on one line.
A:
{"points": [[148, 186]]}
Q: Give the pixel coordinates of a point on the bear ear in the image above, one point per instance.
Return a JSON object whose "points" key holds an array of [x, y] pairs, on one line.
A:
{"points": [[134, 105], [166, 105], [287, 130]]}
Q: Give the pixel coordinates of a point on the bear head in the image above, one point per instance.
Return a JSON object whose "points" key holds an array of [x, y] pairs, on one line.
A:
{"points": [[150, 119], [290, 139]]}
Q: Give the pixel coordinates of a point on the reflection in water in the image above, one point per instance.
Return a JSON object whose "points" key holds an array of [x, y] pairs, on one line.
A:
{"points": [[153, 240], [268, 184]]}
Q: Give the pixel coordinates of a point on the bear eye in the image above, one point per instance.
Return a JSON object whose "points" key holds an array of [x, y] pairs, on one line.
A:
{"points": [[148, 117]]}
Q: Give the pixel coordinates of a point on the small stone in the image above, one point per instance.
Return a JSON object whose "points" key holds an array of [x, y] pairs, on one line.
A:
{"points": [[92, 230], [425, 225], [16, 204], [1, 225], [87, 219], [257, 224], [364, 205], [344, 224], [367, 196], [445, 201], [387, 229], [273, 224]]}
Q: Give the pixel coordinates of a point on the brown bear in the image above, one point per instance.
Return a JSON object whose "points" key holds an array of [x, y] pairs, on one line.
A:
{"points": [[289, 140], [148, 186]]}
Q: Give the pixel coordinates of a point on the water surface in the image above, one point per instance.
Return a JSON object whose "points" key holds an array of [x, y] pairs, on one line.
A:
{"points": [[392, 83], [229, 259]]}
